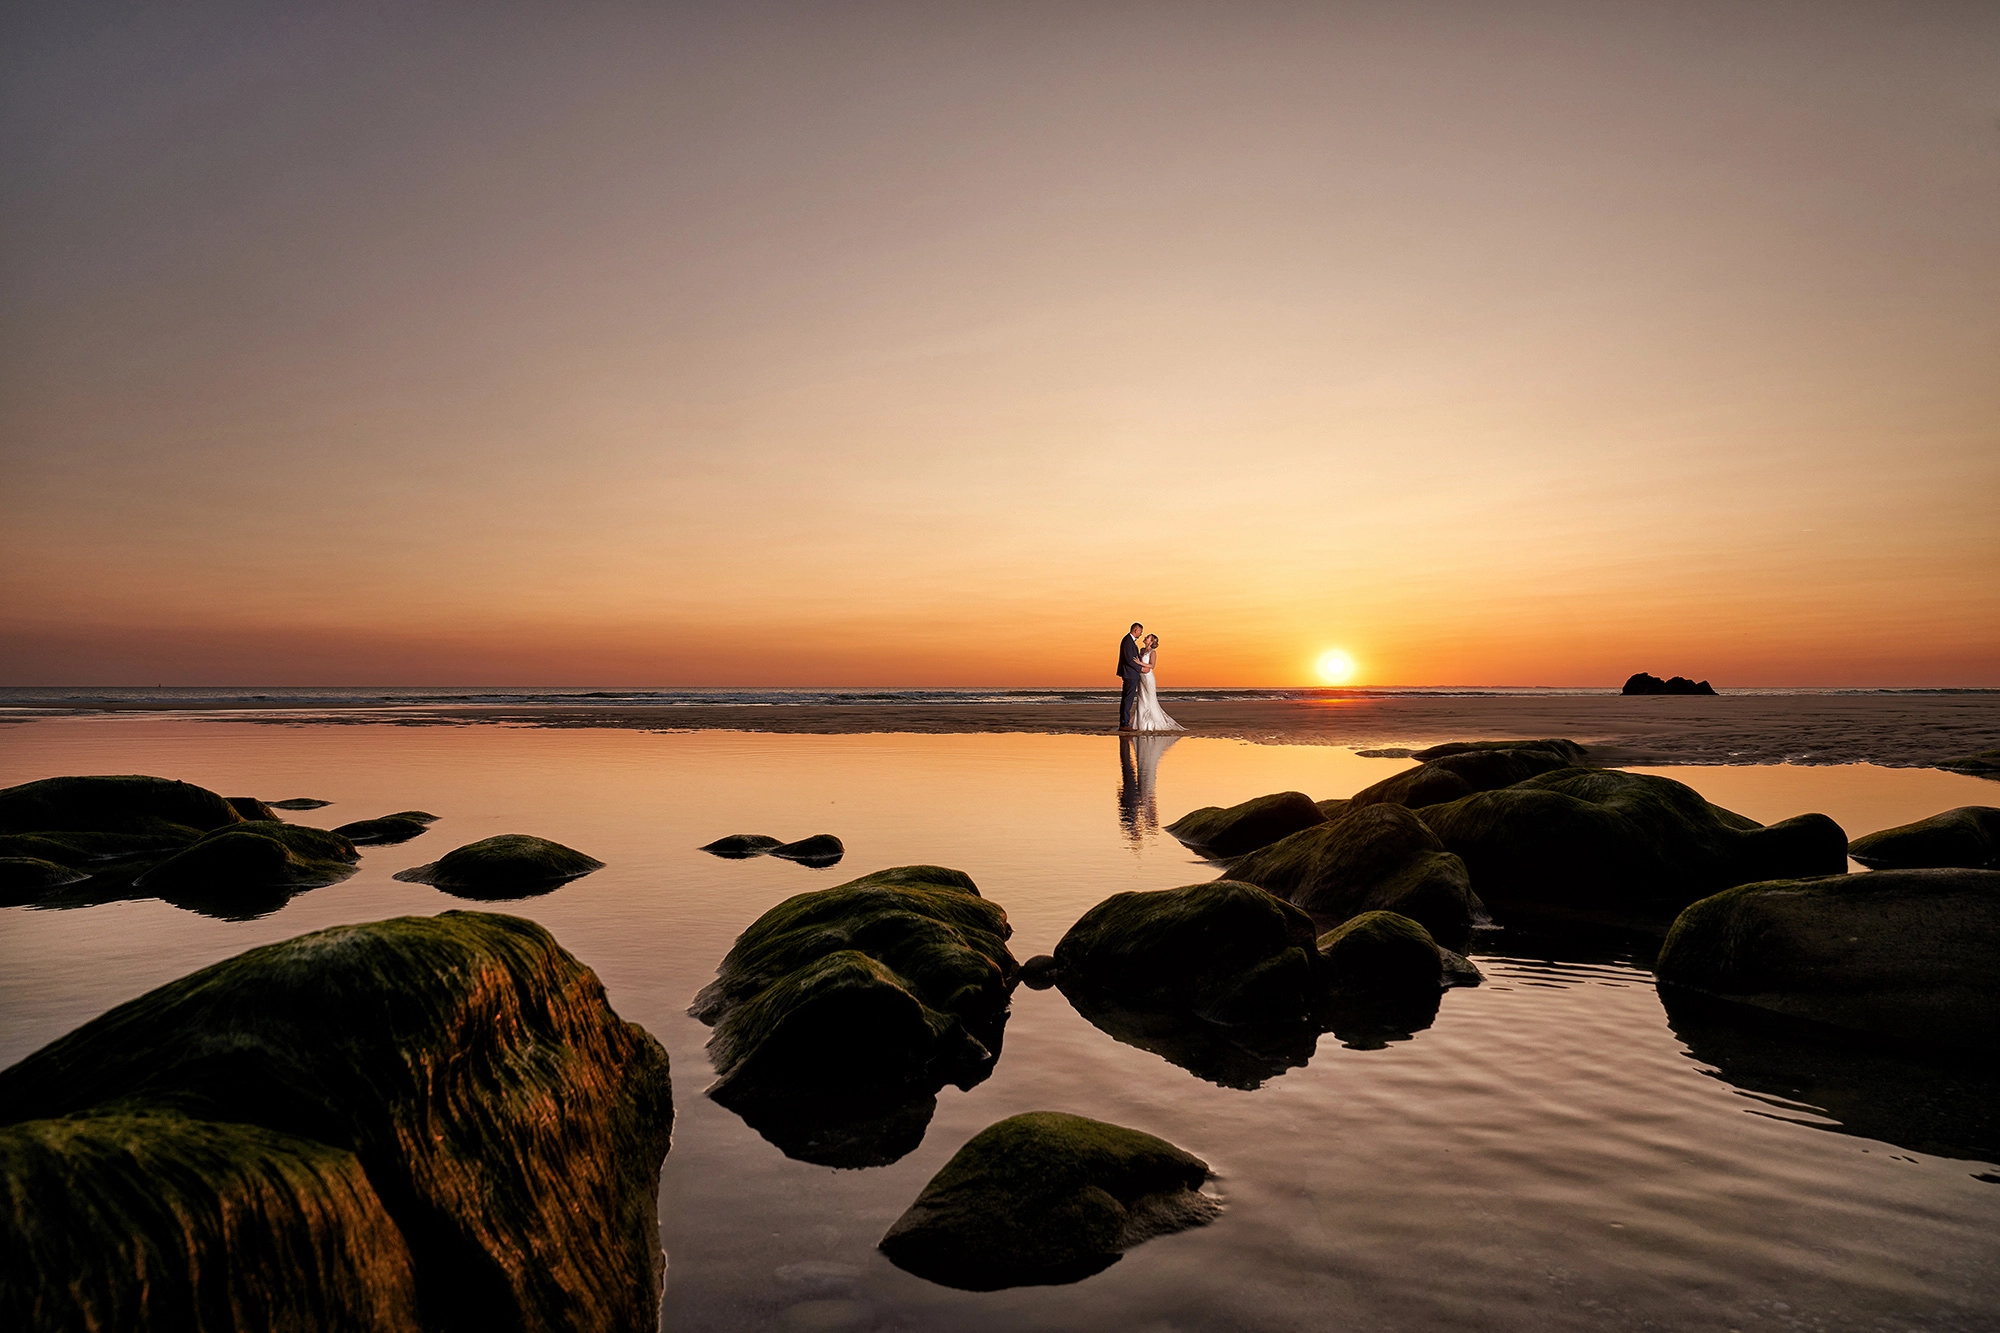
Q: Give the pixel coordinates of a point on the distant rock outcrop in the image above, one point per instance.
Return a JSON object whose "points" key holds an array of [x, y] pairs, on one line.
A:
{"points": [[428, 1122], [1642, 682], [1985, 764]]}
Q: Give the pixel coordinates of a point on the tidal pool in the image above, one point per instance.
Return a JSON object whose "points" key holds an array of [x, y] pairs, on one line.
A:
{"points": [[1553, 1152]]}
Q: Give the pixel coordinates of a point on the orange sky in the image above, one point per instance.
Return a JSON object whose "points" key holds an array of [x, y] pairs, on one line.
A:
{"points": [[895, 346]]}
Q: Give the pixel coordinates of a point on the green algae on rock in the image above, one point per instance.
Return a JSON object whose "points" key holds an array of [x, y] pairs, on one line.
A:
{"points": [[845, 1003], [161, 807], [1375, 857], [158, 1222], [1605, 845], [1219, 831], [1046, 1198], [511, 1125], [251, 808], [383, 832], [299, 803], [508, 865], [1224, 951], [1902, 954], [1382, 955], [1967, 838], [1464, 767]]}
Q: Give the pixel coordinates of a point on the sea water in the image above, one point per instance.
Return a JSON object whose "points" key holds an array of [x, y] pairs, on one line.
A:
{"points": [[1554, 1152]]}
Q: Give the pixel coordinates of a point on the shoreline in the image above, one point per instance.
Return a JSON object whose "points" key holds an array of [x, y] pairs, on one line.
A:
{"points": [[1897, 731]]}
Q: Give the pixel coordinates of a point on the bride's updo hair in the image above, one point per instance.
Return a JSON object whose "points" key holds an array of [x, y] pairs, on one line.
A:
{"points": [[1152, 640]]}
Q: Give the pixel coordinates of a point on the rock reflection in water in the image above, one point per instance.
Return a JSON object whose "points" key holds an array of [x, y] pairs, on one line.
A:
{"points": [[1946, 1109], [1138, 783], [1228, 1055]]}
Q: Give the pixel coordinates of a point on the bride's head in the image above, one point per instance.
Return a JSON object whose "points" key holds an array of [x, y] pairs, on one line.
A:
{"points": [[1152, 640]]}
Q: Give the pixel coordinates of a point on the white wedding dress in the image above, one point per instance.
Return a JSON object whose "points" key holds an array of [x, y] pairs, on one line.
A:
{"points": [[1148, 715]]}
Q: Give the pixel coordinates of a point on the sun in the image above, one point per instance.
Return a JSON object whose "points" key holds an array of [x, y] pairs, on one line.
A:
{"points": [[1335, 667]]}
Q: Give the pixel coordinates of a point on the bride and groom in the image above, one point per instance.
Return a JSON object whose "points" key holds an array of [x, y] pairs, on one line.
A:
{"points": [[1139, 708]]}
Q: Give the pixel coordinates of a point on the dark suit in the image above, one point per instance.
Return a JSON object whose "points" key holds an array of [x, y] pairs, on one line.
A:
{"points": [[1128, 671]]}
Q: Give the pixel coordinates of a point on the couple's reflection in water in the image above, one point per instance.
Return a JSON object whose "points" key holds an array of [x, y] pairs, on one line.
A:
{"points": [[1138, 783]]}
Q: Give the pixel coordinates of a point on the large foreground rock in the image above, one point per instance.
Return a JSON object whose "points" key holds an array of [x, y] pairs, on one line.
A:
{"points": [[1464, 767], [1604, 845], [1967, 838], [160, 1222], [1219, 831], [1226, 952], [1047, 1198], [848, 1008], [1912, 955], [1374, 858], [507, 865], [508, 1123]]}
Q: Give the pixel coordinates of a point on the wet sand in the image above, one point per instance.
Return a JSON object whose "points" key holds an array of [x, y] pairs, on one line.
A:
{"points": [[1895, 730]]}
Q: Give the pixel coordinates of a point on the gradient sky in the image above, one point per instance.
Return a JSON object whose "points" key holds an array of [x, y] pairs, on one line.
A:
{"points": [[932, 344]]}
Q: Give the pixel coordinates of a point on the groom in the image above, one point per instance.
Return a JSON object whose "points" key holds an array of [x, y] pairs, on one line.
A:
{"points": [[1130, 671]]}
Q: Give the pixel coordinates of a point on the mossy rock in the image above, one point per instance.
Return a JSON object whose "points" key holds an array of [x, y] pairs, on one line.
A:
{"points": [[419, 816], [1911, 955], [509, 865], [1616, 847], [1221, 832], [300, 803], [820, 850], [162, 1223], [251, 808], [1333, 809], [742, 846], [25, 878], [510, 1123], [1464, 767], [1373, 857], [1382, 955], [1985, 764], [252, 856], [79, 850], [1225, 951], [137, 805], [1967, 838], [384, 832], [854, 1000], [1047, 1198]]}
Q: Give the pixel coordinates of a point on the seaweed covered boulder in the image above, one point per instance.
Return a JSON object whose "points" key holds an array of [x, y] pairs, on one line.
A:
{"points": [[1374, 857], [161, 1222], [1903, 954], [1220, 831], [1461, 768], [251, 856], [384, 832], [1047, 1198], [507, 865], [1384, 975], [177, 812], [509, 1124], [251, 808], [299, 803], [1225, 952], [851, 1006], [1967, 838], [1605, 845]]}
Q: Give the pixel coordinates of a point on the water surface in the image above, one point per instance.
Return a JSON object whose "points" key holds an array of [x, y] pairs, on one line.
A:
{"points": [[1551, 1153]]}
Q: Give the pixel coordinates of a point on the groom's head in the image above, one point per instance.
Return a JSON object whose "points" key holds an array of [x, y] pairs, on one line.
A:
{"points": [[1136, 627]]}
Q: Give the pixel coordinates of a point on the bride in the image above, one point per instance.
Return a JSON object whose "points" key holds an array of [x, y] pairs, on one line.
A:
{"points": [[1148, 715]]}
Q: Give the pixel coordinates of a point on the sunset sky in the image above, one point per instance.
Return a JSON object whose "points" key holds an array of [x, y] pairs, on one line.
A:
{"points": [[932, 344]]}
